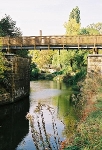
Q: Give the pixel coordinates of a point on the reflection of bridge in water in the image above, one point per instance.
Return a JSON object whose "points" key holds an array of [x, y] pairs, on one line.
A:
{"points": [[52, 42]]}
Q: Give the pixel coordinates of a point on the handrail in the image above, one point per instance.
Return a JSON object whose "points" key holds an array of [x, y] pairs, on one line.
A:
{"points": [[52, 40]]}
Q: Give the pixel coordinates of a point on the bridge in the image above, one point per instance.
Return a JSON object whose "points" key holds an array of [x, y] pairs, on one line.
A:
{"points": [[18, 79], [52, 42]]}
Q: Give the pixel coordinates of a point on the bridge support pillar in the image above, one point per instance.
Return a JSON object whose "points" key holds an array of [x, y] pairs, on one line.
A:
{"points": [[94, 64]]}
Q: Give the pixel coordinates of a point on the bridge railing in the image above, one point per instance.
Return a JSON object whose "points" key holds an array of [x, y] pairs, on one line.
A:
{"points": [[52, 40]]}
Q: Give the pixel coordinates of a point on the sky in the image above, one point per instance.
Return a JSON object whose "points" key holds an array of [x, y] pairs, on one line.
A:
{"points": [[31, 16]]}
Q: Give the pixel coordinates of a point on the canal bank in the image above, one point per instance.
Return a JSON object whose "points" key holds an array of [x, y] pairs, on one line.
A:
{"points": [[16, 80], [88, 134]]}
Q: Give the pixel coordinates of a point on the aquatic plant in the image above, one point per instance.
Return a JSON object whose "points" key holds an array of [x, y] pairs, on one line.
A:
{"points": [[41, 138]]}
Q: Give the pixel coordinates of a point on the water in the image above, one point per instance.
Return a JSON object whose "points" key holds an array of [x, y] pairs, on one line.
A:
{"points": [[52, 118]]}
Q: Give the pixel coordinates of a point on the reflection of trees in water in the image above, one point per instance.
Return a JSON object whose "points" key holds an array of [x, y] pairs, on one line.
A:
{"points": [[66, 112], [71, 118], [41, 138]]}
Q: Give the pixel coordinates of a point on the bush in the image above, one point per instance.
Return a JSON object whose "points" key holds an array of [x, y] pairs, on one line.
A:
{"points": [[88, 135], [34, 71], [72, 80]]}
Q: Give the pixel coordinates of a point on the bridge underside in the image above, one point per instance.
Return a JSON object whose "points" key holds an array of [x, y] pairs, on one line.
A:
{"points": [[51, 47]]}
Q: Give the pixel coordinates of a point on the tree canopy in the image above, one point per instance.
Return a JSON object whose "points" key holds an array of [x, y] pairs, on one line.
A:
{"points": [[8, 27], [73, 25], [75, 14]]}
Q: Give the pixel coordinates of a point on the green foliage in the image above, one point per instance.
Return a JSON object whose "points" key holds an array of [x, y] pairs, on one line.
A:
{"points": [[22, 53], [71, 61], [2, 67], [96, 27], [88, 31], [88, 135], [80, 60], [84, 31], [74, 61], [8, 27], [34, 71], [75, 14], [72, 27], [92, 29], [41, 58], [73, 79]]}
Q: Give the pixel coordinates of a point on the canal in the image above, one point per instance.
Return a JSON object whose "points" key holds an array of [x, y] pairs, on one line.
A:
{"points": [[41, 121]]}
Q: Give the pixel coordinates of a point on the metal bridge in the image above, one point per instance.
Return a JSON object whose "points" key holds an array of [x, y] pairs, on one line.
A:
{"points": [[51, 42]]}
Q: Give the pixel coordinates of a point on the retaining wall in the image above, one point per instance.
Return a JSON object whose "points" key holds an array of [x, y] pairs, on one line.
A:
{"points": [[17, 80], [94, 63]]}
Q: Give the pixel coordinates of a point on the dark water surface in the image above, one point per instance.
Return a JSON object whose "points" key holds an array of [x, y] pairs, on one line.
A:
{"points": [[51, 119]]}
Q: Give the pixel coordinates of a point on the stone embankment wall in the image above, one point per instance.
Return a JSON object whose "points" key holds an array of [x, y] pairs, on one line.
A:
{"points": [[17, 81], [94, 63], [5, 98]]}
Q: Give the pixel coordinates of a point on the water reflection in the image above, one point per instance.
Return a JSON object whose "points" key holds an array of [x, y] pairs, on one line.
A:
{"points": [[51, 118], [13, 124], [42, 139], [66, 112], [48, 127]]}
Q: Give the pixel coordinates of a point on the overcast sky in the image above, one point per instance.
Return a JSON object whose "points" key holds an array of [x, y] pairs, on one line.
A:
{"points": [[49, 15]]}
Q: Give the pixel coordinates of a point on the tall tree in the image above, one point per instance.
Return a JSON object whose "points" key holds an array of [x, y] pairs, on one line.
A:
{"points": [[73, 25], [75, 14], [74, 60], [8, 27]]}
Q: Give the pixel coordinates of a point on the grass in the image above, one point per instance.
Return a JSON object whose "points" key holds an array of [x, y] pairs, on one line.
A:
{"points": [[88, 135]]}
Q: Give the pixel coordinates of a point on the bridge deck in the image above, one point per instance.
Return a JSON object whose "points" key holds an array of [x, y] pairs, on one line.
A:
{"points": [[51, 42]]}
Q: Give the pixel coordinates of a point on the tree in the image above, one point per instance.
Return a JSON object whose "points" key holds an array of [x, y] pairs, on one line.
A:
{"points": [[5, 66], [75, 14], [22, 53], [92, 29], [42, 58], [8, 27], [89, 30], [34, 71], [83, 31], [97, 27], [73, 25], [74, 61]]}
